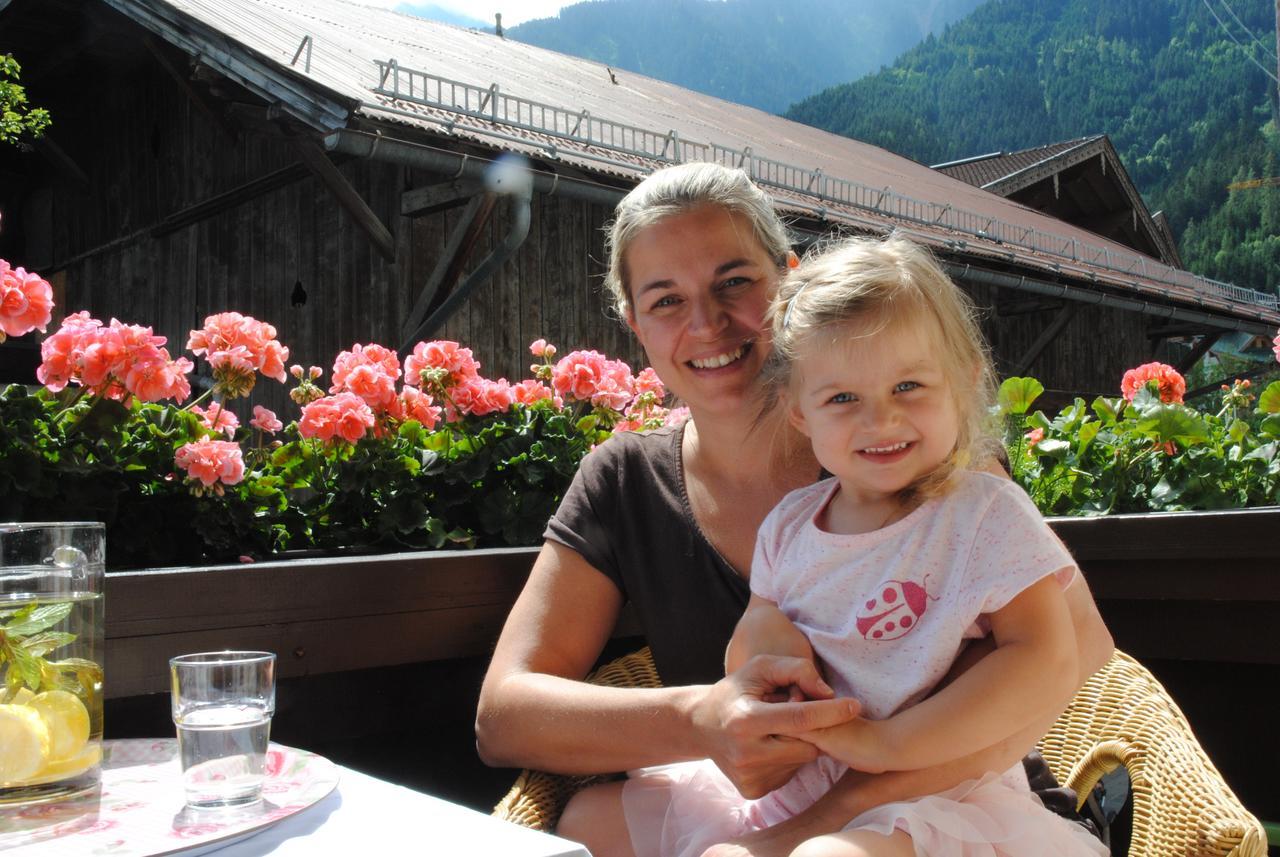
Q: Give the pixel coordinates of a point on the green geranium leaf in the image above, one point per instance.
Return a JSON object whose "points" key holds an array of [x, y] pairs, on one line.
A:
{"points": [[1055, 449], [1171, 422], [1270, 426], [1017, 394], [1108, 410], [1238, 430], [1266, 452], [1269, 401]]}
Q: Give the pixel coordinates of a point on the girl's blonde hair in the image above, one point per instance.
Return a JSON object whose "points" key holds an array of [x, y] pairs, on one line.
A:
{"points": [[874, 283], [679, 190]]}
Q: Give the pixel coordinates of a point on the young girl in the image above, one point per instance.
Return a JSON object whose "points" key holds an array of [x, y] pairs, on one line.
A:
{"points": [[882, 572]]}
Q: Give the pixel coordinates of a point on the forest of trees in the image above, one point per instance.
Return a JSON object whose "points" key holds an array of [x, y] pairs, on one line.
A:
{"points": [[1185, 107], [765, 53]]}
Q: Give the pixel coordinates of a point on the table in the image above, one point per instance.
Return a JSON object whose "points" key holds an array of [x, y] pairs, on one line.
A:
{"points": [[364, 815], [310, 807]]}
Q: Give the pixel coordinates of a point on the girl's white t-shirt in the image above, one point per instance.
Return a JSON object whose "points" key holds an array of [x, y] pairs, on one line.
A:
{"points": [[888, 611]]}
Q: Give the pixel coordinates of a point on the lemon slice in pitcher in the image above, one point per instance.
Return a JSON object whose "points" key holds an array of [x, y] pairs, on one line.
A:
{"points": [[24, 743], [67, 720], [67, 768]]}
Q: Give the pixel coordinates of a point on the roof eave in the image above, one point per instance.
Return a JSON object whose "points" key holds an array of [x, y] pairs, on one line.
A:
{"points": [[295, 95]]}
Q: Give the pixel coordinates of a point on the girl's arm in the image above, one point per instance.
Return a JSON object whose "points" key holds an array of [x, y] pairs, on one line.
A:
{"points": [[536, 712], [764, 630], [1031, 673]]}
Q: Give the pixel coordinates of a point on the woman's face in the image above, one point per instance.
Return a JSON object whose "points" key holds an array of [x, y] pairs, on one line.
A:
{"points": [[700, 284]]}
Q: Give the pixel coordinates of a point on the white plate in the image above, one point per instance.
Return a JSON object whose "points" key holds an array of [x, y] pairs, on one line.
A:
{"points": [[139, 810]]}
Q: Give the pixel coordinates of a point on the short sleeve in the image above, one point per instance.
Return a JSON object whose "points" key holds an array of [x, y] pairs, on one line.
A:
{"points": [[1013, 548], [582, 521]]}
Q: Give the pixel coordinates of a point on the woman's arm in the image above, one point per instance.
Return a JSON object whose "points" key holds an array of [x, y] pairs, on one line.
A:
{"points": [[535, 711], [1033, 667]]}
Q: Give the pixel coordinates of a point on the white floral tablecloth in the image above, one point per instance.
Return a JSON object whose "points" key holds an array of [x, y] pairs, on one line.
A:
{"points": [[310, 807]]}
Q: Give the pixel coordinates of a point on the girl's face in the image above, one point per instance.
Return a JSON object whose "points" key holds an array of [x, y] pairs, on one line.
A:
{"points": [[699, 285], [876, 405]]}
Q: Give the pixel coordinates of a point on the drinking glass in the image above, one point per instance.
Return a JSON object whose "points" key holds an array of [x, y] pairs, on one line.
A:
{"points": [[51, 646], [222, 706]]}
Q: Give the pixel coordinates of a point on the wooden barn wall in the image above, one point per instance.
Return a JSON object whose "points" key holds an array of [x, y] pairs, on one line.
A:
{"points": [[150, 152], [1087, 358], [161, 155]]}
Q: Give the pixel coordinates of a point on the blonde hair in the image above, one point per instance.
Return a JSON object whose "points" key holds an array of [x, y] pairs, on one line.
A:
{"points": [[678, 190], [875, 283]]}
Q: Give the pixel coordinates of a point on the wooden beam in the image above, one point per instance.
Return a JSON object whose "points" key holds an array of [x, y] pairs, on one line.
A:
{"points": [[437, 197], [448, 269], [203, 102], [1013, 307], [63, 163], [1048, 335], [1201, 349], [318, 162]]}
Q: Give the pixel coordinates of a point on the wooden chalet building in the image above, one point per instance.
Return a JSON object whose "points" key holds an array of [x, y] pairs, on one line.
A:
{"points": [[320, 164]]}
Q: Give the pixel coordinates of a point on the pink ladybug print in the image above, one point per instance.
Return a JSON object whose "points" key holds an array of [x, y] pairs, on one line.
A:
{"points": [[897, 610]]}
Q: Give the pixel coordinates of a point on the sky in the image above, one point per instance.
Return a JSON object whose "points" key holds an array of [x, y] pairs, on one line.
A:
{"points": [[513, 11]]}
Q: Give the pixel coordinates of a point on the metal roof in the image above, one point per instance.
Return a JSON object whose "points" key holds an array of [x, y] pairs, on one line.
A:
{"points": [[473, 85], [985, 170]]}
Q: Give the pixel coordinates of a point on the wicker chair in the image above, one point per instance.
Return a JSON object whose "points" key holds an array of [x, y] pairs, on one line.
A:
{"points": [[1122, 716]]}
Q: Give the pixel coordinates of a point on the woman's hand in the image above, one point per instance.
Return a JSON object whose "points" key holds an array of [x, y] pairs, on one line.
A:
{"points": [[765, 630], [742, 731]]}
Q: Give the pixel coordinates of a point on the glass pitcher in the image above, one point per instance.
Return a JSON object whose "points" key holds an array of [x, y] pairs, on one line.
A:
{"points": [[51, 651]]}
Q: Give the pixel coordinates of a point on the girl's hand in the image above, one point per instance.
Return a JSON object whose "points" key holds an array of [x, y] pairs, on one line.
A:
{"points": [[862, 744]]}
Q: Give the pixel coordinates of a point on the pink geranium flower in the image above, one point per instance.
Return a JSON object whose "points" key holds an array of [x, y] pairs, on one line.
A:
{"points": [[211, 463], [417, 405], [343, 416], [26, 302], [478, 397], [238, 346], [1276, 346], [528, 392], [676, 416], [541, 348], [377, 359], [589, 376], [217, 419], [265, 420], [1172, 385], [446, 363], [117, 360]]}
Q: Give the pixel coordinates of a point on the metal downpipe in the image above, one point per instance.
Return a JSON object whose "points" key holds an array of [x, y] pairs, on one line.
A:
{"points": [[521, 197]]}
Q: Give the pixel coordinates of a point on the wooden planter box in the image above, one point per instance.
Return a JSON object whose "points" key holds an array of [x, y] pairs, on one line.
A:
{"points": [[319, 615], [1189, 586]]}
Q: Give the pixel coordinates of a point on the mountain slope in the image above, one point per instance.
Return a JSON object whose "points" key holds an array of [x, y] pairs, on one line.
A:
{"points": [[1187, 110], [758, 52]]}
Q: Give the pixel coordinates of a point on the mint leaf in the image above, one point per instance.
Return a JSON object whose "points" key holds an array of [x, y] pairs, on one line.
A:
{"points": [[39, 619], [27, 666], [45, 642]]}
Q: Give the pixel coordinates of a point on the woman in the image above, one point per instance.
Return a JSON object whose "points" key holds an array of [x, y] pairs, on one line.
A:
{"points": [[667, 521]]}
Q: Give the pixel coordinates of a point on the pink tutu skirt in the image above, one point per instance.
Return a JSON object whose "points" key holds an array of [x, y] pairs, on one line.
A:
{"points": [[681, 810]]}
